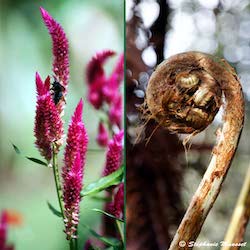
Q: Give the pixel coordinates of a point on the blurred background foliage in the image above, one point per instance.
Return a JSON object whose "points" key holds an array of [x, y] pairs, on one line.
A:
{"points": [[157, 29], [25, 47]]}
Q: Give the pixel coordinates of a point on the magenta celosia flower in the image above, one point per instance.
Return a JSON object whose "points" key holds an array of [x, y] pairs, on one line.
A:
{"points": [[115, 111], [95, 95], [114, 154], [72, 172], [102, 137], [3, 232], [60, 48], [88, 245], [111, 87], [117, 74], [71, 195], [48, 123], [95, 67], [77, 139], [96, 78], [60, 59], [3, 229], [102, 88], [116, 207]]}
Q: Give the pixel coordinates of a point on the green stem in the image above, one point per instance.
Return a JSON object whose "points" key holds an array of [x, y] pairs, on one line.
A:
{"points": [[76, 240], [57, 180], [71, 245]]}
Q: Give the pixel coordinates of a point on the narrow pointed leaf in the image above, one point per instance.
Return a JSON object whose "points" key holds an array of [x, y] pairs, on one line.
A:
{"points": [[107, 240], [103, 183], [17, 150], [33, 159], [54, 210], [107, 214], [37, 161]]}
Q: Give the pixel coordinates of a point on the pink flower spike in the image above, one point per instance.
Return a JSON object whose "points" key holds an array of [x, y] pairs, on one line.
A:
{"points": [[96, 79], [111, 87], [48, 123], [77, 139], [95, 66], [115, 111], [73, 169], [60, 49], [4, 231], [116, 207], [95, 96], [72, 186], [88, 245], [102, 137], [39, 85], [47, 83], [114, 154], [118, 72]]}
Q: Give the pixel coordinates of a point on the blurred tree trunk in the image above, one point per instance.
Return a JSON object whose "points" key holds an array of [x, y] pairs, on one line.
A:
{"points": [[154, 174]]}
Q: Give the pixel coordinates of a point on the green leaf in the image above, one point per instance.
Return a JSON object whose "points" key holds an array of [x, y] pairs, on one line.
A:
{"points": [[107, 214], [103, 183], [107, 240], [17, 150], [37, 161], [54, 210]]}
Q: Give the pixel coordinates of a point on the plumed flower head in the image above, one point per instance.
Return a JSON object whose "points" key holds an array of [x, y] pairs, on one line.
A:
{"points": [[95, 67], [114, 154], [102, 137], [118, 71], [77, 139], [116, 207], [111, 87], [3, 229], [48, 123], [115, 111], [113, 82], [72, 172], [60, 55], [96, 78], [88, 245], [60, 48], [101, 87], [3, 232], [71, 194]]}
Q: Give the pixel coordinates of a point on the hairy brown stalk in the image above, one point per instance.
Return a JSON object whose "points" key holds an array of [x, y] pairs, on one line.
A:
{"points": [[183, 95], [240, 217]]}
